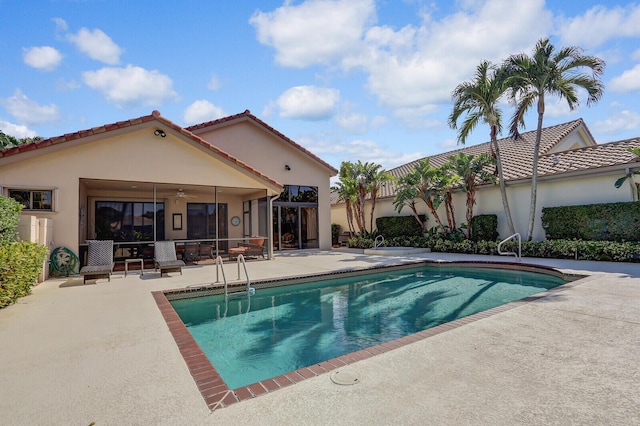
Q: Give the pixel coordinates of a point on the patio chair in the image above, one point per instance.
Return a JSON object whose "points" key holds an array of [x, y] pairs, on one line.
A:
{"points": [[165, 258], [191, 252], [254, 247], [99, 260]]}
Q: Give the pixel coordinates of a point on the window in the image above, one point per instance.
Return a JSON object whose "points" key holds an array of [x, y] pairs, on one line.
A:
{"points": [[41, 200], [128, 221], [299, 194], [202, 221]]}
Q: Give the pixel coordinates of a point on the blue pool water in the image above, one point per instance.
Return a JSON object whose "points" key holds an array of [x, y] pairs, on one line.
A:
{"points": [[281, 329]]}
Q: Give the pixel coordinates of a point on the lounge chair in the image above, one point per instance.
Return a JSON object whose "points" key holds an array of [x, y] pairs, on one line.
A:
{"points": [[99, 260], [165, 258], [255, 247]]}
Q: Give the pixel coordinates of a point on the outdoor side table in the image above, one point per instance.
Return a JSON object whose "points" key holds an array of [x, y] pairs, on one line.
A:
{"points": [[128, 261]]}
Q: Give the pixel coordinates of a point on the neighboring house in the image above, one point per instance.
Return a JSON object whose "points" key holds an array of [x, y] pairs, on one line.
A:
{"points": [[148, 179], [572, 170]]}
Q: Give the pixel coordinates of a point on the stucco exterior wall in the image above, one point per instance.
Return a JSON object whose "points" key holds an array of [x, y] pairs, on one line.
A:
{"points": [[136, 155], [268, 153], [577, 190]]}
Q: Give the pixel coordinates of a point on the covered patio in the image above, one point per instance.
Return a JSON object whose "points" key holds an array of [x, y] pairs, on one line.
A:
{"points": [[204, 221]]}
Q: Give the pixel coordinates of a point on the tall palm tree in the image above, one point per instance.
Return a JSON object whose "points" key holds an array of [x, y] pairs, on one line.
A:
{"points": [[479, 100], [377, 179], [549, 72], [472, 171]]}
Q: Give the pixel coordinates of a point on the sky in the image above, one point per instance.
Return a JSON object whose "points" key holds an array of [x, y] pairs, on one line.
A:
{"points": [[347, 79]]}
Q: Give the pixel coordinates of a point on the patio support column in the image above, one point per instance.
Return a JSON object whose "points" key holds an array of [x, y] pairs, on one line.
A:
{"points": [[269, 226], [154, 212]]}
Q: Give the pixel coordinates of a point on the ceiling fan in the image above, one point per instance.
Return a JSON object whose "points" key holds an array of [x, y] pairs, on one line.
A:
{"points": [[181, 194]]}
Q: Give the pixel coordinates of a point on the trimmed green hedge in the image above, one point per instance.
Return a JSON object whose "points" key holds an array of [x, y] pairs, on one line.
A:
{"points": [[555, 249], [484, 227], [20, 265], [593, 222], [399, 226]]}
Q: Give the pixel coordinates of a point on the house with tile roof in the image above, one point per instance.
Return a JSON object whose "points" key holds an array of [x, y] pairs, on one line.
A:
{"points": [[572, 170], [148, 179]]}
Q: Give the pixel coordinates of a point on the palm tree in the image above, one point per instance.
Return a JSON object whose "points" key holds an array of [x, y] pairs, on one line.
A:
{"points": [[548, 72], [472, 171], [347, 191], [406, 194], [479, 99], [421, 182], [445, 181]]}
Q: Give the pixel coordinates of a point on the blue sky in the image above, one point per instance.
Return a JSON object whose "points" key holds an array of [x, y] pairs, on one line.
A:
{"points": [[347, 79]]}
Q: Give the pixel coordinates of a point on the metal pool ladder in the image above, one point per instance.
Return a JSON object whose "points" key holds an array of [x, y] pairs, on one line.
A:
{"points": [[250, 290], [219, 262], [518, 255]]}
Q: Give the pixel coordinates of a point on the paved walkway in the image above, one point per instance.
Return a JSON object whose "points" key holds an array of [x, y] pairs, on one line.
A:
{"points": [[74, 354]]}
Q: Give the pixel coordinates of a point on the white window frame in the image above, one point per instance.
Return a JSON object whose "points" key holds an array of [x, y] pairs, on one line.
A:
{"points": [[54, 196]]}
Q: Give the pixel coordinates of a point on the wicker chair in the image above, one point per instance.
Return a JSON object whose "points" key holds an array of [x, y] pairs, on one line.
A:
{"points": [[99, 260], [165, 257]]}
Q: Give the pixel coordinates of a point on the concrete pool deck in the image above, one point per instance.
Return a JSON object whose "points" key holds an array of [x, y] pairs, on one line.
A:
{"points": [[74, 354]]}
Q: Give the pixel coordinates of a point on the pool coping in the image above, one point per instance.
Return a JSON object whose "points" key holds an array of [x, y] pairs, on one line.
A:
{"points": [[217, 394]]}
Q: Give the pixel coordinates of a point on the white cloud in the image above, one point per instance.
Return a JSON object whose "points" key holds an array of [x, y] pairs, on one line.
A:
{"points": [[131, 85], [44, 58], [360, 149], [600, 24], [97, 45], [636, 55], [18, 131], [308, 103], [628, 81], [353, 122], [623, 120], [61, 24], [201, 111], [214, 83], [28, 111], [315, 31]]}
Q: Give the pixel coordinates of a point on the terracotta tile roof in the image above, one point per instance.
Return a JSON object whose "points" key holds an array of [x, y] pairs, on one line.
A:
{"points": [[155, 115], [247, 115], [517, 155]]}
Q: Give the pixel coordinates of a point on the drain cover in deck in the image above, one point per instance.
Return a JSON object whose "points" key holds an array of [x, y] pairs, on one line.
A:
{"points": [[345, 377]]}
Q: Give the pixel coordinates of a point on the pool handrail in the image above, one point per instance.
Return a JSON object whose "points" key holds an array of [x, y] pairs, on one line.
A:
{"points": [[507, 253], [220, 262], [240, 259], [375, 242]]}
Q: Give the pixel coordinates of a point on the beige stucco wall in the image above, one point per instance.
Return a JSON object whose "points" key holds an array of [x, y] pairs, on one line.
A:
{"points": [[266, 152], [131, 155], [577, 190]]}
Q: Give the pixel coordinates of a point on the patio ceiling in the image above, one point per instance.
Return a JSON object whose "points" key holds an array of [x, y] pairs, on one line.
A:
{"points": [[163, 190]]}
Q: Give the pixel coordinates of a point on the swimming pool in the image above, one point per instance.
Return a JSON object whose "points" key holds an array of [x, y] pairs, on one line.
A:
{"points": [[282, 329]]}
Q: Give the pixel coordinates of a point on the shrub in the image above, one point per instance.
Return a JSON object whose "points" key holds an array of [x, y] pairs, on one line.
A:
{"points": [[399, 226], [9, 217], [20, 264], [484, 227], [594, 222]]}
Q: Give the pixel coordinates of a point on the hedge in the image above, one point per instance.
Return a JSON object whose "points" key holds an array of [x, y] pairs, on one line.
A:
{"points": [[484, 227], [556, 249], [20, 265], [9, 217], [593, 222], [399, 226]]}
